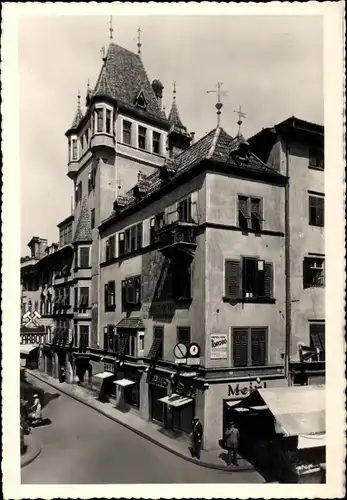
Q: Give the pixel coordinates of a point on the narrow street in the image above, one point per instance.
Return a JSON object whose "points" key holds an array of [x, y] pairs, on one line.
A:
{"points": [[81, 446]]}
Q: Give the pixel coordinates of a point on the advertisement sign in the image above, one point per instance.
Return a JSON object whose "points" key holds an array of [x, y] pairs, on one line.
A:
{"points": [[219, 346]]}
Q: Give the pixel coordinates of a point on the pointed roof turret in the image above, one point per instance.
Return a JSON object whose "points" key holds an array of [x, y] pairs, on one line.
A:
{"points": [[122, 78], [174, 117], [83, 229], [78, 114]]}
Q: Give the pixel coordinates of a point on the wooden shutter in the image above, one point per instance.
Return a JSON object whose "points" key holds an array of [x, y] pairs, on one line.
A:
{"points": [[258, 346], [232, 279], [244, 206], [240, 346], [268, 280]]}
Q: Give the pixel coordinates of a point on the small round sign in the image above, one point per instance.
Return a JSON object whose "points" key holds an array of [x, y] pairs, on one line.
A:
{"points": [[180, 351], [194, 350]]}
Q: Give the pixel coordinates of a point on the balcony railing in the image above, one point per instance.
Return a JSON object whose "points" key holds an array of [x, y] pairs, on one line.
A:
{"points": [[175, 237]]}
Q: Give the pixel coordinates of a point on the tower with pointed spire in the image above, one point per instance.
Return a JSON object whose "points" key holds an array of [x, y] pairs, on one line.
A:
{"points": [[72, 135], [178, 137]]}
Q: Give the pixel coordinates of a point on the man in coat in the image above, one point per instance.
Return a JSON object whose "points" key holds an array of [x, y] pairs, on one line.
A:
{"points": [[232, 443], [196, 437]]}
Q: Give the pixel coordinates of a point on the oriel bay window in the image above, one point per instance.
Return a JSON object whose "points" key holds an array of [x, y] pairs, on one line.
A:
{"points": [[184, 210], [249, 279], [108, 121], [313, 272], [99, 112], [249, 346], [110, 296], [83, 257]]}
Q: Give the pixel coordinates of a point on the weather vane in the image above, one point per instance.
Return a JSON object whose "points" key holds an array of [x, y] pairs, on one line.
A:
{"points": [[219, 104], [240, 114], [139, 40], [111, 28]]}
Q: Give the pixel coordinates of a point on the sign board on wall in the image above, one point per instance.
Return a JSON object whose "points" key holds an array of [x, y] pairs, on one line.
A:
{"points": [[219, 346]]}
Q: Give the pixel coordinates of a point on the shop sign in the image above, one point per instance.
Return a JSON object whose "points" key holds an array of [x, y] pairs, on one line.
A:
{"points": [[159, 381], [219, 346], [243, 389], [109, 367]]}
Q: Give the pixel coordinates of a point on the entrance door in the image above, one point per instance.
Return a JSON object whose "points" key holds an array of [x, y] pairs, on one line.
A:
{"points": [[49, 365], [157, 407], [182, 418]]}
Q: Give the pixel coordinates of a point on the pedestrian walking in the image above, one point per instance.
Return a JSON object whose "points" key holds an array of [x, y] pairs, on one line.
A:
{"points": [[196, 437], [231, 439]]}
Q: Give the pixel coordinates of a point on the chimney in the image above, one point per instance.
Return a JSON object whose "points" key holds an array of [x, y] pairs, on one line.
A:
{"points": [[158, 87], [192, 138]]}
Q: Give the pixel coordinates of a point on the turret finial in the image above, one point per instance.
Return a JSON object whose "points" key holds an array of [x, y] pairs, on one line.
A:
{"points": [[111, 28], [174, 90], [240, 114], [139, 44], [218, 104]]}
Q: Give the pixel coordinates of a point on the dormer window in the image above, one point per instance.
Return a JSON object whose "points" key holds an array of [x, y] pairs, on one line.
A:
{"points": [[140, 101]]}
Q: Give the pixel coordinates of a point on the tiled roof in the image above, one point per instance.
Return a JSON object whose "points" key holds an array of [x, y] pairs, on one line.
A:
{"points": [[77, 119], [83, 230], [174, 118], [136, 323], [123, 77], [217, 146]]}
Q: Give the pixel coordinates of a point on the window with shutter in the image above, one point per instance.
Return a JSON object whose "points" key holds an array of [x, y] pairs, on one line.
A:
{"points": [[243, 209], [139, 236], [106, 296], [256, 216], [258, 346], [240, 347], [127, 241], [232, 279], [121, 243], [268, 280]]}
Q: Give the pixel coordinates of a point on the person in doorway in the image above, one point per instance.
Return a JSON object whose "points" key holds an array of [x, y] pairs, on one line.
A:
{"points": [[232, 443], [196, 437], [62, 374], [36, 409]]}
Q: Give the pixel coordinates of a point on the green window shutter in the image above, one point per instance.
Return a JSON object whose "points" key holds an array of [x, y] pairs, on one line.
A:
{"points": [[232, 279], [240, 346]]}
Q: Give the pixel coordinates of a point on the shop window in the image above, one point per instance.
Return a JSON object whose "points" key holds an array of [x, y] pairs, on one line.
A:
{"points": [[316, 158], [110, 248], [250, 213], [84, 257], [108, 121], [92, 218], [142, 132], [131, 291], [249, 346], [316, 211], [84, 298], [313, 272], [156, 142], [183, 335], [317, 340], [132, 395], [126, 132], [99, 119], [110, 296], [184, 210], [84, 336], [252, 280]]}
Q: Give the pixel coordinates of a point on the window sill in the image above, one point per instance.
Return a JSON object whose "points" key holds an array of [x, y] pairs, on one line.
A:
{"points": [[312, 167], [251, 300], [308, 287], [76, 269], [316, 225]]}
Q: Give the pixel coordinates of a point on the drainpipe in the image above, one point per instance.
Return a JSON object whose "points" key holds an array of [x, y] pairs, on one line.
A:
{"points": [[287, 266]]}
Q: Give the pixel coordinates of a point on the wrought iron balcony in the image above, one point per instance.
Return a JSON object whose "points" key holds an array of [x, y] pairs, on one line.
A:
{"points": [[176, 239]]}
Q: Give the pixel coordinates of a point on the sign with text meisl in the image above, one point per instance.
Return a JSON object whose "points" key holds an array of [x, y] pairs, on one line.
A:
{"points": [[219, 346]]}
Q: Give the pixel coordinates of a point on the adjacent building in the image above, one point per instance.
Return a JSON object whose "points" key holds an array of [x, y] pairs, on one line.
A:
{"points": [[216, 245]]}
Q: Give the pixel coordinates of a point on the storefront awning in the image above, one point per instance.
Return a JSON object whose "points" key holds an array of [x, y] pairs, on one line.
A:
{"points": [[298, 409], [175, 400], [311, 440], [124, 382], [26, 349], [233, 403], [103, 375], [133, 323]]}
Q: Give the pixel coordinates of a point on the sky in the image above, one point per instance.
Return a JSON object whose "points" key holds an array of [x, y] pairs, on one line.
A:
{"points": [[270, 65]]}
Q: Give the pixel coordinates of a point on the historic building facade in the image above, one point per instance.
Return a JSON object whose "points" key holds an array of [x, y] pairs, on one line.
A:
{"points": [[295, 148], [173, 241]]}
